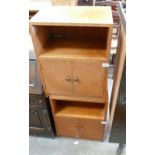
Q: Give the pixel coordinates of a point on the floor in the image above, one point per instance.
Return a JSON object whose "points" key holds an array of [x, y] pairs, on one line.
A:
{"points": [[70, 146]]}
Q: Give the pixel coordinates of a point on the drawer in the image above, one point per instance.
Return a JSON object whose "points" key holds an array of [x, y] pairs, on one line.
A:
{"points": [[80, 128]]}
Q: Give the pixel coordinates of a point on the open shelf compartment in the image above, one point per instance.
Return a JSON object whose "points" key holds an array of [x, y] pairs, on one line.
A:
{"points": [[79, 109], [72, 41]]}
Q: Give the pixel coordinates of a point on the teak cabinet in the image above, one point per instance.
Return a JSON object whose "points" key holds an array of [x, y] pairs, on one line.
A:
{"points": [[72, 46]]}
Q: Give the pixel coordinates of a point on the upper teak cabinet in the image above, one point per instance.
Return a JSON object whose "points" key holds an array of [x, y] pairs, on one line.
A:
{"points": [[71, 44]]}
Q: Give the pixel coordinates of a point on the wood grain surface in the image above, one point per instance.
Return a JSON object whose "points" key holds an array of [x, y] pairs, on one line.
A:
{"points": [[74, 16]]}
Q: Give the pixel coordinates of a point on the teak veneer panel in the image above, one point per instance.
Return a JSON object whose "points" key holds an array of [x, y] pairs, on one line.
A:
{"points": [[74, 16]]}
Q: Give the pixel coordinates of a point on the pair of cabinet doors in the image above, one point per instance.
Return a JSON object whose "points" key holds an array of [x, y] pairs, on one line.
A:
{"points": [[73, 78]]}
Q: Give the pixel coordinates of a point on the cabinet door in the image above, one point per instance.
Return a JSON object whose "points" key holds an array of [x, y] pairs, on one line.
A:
{"points": [[89, 79], [57, 75]]}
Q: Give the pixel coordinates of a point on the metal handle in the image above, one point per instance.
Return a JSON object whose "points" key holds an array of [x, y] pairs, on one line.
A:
{"points": [[68, 78], [103, 122], [76, 79], [105, 65]]}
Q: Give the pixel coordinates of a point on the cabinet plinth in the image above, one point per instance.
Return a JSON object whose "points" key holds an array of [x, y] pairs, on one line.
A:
{"points": [[71, 45]]}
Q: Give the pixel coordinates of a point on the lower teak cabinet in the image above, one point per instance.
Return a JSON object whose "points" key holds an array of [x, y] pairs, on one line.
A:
{"points": [[79, 119], [72, 46]]}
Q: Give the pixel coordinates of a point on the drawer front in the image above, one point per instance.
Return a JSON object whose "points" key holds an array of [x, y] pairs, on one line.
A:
{"points": [[80, 128]]}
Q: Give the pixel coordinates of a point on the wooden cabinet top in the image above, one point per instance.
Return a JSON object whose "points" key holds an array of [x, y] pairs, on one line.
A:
{"points": [[100, 16]]}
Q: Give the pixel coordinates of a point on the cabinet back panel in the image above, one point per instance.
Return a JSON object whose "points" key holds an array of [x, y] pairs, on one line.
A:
{"points": [[81, 32], [100, 33]]}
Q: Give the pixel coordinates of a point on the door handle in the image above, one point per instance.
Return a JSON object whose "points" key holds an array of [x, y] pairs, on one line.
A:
{"points": [[68, 79], [76, 79]]}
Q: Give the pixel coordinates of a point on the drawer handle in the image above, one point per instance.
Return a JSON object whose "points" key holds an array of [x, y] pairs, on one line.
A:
{"points": [[76, 79], [68, 79]]}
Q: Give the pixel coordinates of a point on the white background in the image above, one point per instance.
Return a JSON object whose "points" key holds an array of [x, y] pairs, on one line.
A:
{"points": [[14, 78]]}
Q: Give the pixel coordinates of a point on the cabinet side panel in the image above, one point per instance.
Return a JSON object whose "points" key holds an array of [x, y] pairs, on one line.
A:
{"points": [[40, 35]]}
